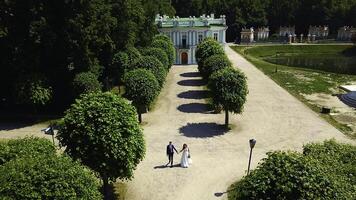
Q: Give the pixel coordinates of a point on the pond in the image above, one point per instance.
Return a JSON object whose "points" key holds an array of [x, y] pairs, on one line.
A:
{"points": [[324, 62]]}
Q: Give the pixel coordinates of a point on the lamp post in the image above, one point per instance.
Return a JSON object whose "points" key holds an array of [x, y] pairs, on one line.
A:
{"points": [[252, 144], [49, 131]]}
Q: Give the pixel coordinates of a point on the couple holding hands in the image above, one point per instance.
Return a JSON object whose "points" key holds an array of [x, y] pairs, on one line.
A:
{"points": [[185, 160]]}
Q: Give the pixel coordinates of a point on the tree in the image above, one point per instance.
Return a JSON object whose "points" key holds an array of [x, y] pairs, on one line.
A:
{"points": [[47, 177], [86, 82], [167, 47], [208, 47], [228, 89], [215, 63], [101, 130], [33, 89], [133, 55], [119, 65], [141, 88], [25, 147], [324, 171], [159, 54], [154, 65]]}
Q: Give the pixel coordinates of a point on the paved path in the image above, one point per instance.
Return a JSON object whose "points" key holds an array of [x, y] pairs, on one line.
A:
{"points": [[277, 120]]}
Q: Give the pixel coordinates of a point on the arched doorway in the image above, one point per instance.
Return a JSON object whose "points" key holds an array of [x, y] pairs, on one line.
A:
{"points": [[184, 58]]}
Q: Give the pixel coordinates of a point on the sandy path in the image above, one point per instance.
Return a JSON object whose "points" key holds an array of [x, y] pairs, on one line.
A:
{"points": [[272, 116]]}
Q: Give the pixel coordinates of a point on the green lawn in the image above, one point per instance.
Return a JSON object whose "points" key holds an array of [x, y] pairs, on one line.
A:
{"points": [[299, 81]]}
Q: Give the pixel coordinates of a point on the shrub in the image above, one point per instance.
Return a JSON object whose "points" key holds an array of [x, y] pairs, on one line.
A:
{"points": [[208, 47], [47, 177], [229, 89], [141, 88], [119, 65], [86, 82], [284, 176], [133, 54], [33, 89], [163, 37], [101, 130], [159, 54], [154, 65], [215, 63], [25, 147], [167, 47]]}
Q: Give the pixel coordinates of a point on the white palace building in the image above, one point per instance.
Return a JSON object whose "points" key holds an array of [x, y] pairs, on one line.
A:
{"points": [[186, 33]]}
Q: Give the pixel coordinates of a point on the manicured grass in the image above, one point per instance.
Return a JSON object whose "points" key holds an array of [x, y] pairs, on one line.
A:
{"points": [[299, 81]]}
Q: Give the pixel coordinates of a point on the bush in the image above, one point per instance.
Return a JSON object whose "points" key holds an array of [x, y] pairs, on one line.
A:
{"points": [[141, 88], [154, 65], [101, 130], [47, 177], [159, 54], [215, 63], [208, 47], [167, 47], [86, 82], [229, 89], [33, 89], [119, 65], [324, 171], [133, 54], [25, 147]]}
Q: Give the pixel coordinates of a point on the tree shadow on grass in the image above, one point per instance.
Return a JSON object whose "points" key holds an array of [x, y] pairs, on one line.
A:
{"points": [[194, 94], [195, 108], [203, 130], [192, 82], [190, 74]]}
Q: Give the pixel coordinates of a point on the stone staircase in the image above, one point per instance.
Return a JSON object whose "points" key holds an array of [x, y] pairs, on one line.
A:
{"points": [[349, 99]]}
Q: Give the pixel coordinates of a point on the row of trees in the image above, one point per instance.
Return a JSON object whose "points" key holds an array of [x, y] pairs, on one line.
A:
{"points": [[228, 86], [50, 50], [323, 171], [30, 168], [272, 13]]}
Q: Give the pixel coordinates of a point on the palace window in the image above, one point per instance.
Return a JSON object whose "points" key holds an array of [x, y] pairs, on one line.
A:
{"points": [[200, 38], [216, 36], [184, 41]]}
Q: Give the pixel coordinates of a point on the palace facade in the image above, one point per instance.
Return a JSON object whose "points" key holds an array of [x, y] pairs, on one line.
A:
{"points": [[187, 33]]}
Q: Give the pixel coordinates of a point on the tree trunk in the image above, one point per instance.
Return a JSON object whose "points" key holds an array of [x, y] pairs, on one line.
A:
{"points": [[139, 117], [226, 118], [106, 187]]}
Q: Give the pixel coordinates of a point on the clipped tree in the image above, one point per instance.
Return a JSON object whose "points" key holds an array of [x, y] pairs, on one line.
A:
{"points": [[154, 65], [215, 63], [208, 47], [133, 55], [285, 175], [119, 65], [33, 89], [167, 47], [229, 90], [101, 130], [47, 177], [141, 87], [86, 82], [157, 53], [24, 147]]}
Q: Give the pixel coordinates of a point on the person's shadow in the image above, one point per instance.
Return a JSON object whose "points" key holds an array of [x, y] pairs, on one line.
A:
{"points": [[166, 166]]}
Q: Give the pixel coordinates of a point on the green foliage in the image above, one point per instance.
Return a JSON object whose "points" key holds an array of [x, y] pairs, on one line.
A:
{"points": [[86, 82], [154, 65], [159, 54], [25, 147], [101, 130], [33, 89], [215, 63], [47, 177], [133, 55], [324, 171], [208, 47], [166, 46], [229, 89], [141, 87], [119, 65]]}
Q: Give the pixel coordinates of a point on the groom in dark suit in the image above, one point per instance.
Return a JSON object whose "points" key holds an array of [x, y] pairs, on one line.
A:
{"points": [[170, 153]]}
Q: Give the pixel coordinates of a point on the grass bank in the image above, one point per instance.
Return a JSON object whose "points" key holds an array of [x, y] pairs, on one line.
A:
{"points": [[303, 81]]}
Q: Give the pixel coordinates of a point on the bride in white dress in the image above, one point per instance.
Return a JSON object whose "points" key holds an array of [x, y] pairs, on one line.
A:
{"points": [[185, 156]]}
